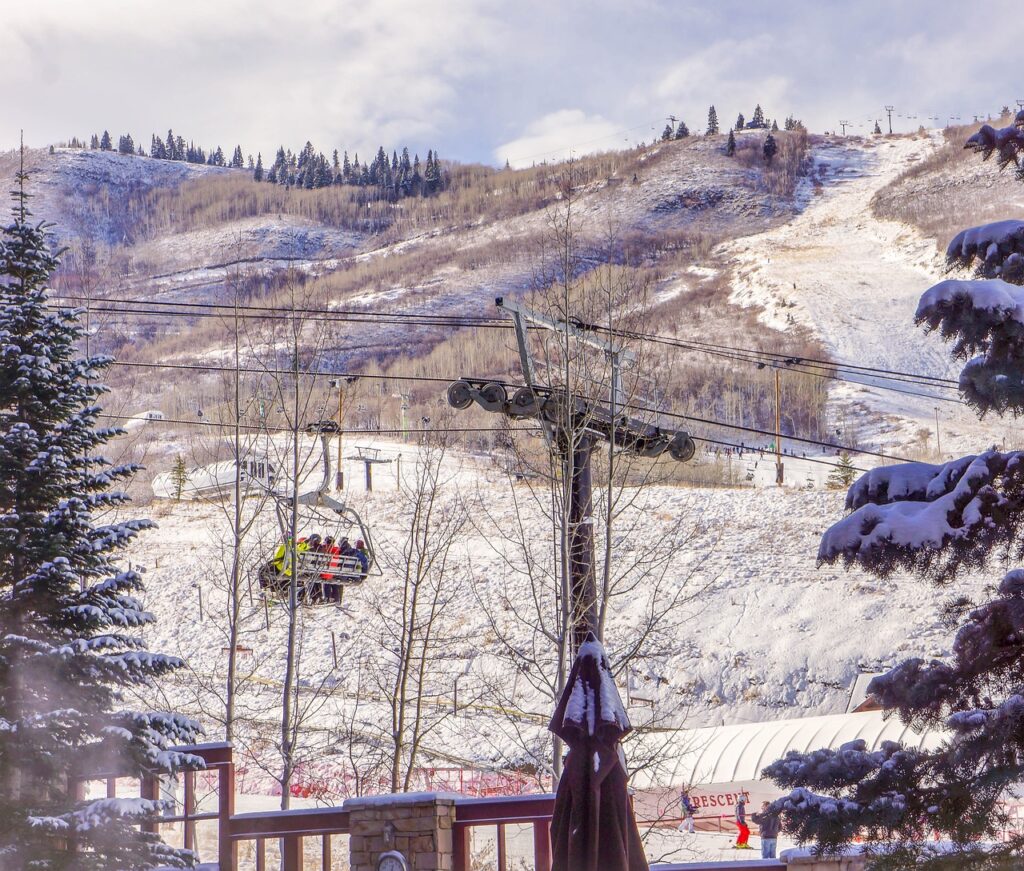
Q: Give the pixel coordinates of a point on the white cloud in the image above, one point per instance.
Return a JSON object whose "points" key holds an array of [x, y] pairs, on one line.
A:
{"points": [[469, 74], [558, 135], [730, 74], [345, 74]]}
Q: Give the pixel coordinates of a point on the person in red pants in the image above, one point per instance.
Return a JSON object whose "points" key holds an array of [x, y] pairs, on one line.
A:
{"points": [[741, 824]]}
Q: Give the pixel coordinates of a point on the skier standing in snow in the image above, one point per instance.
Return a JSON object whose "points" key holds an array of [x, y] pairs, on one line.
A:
{"points": [[688, 808], [741, 824], [769, 825]]}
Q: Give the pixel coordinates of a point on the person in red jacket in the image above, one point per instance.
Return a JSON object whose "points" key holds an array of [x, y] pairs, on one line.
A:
{"points": [[741, 824]]}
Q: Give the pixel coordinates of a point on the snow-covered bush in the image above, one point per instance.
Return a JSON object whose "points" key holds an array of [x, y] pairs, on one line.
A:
{"points": [[69, 618], [937, 520]]}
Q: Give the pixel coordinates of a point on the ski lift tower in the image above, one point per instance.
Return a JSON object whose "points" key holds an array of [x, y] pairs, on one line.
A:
{"points": [[573, 426]]}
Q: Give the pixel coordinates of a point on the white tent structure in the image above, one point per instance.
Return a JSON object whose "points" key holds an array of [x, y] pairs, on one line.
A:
{"points": [[217, 480], [716, 764]]}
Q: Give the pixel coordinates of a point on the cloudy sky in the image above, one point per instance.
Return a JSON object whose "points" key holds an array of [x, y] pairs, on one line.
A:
{"points": [[482, 80]]}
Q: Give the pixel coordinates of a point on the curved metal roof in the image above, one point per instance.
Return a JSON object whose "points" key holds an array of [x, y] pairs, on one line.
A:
{"points": [[727, 754]]}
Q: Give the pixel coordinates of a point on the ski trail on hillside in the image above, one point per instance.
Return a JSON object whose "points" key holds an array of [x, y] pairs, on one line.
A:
{"points": [[854, 280]]}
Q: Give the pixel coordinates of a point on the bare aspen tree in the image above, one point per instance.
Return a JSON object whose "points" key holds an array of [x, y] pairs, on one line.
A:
{"points": [[415, 626], [287, 349]]}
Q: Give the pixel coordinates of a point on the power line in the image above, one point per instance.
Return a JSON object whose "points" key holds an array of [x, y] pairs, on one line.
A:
{"points": [[422, 430], [802, 459], [738, 354], [427, 319], [317, 373], [805, 366], [792, 438], [267, 428]]}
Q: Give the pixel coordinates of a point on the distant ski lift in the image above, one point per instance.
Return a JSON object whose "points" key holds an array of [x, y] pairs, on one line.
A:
{"points": [[640, 692], [369, 457]]}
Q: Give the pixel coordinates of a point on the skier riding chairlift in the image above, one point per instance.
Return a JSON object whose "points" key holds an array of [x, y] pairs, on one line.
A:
{"points": [[320, 570]]}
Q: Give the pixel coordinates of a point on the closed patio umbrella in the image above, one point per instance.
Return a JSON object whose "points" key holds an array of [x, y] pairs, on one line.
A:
{"points": [[593, 827]]}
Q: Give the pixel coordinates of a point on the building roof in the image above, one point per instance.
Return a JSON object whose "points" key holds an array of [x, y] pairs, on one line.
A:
{"points": [[727, 754]]}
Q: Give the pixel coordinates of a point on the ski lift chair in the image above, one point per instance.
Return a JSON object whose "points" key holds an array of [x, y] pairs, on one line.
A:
{"points": [[319, 574]]}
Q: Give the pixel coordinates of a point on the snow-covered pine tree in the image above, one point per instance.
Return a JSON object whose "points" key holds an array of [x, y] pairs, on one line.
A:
{"points": [[739, 121], [69, 647], [843, 475], [179, 476], [682, 131], [730, 145], [937, 520], [769, 149], [712, 122], [257, 173], [878, 129], [666, 134], [105, 143]]}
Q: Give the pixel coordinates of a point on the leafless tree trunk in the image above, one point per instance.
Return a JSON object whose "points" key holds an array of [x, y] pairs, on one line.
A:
{"points": [[415, 628]]}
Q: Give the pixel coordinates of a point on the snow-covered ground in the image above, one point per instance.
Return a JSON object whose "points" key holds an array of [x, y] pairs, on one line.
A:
{"points": [[765, 635], [854, 280]]}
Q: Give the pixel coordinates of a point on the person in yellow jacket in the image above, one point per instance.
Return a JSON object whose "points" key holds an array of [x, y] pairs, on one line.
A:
{"points": [[282, 560]]}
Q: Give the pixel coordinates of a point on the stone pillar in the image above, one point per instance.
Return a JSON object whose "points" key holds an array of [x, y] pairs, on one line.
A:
{"points": [[824, 863], [417, 824]]}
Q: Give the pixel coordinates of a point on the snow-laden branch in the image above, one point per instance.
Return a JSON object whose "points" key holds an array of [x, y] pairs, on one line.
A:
{"points": [[993, 250], [932, 519], [1005, 142]]}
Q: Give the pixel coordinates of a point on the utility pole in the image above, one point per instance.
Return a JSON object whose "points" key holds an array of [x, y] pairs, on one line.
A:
{"points": [[938, 438], [844, 125], [888, 111], [339, 475], [779, 476]]}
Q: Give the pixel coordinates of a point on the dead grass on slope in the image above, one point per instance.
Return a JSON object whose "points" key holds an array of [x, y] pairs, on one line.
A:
{"points": [[950, 190]]}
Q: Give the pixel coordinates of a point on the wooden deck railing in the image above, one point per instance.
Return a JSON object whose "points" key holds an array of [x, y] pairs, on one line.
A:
{"points": [[498, 813], [289, 829]]}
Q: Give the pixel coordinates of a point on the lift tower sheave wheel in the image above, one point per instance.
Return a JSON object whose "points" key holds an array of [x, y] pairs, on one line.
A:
{"points": [[492, 397], [682, 448], [525, 403], [460, 395]]}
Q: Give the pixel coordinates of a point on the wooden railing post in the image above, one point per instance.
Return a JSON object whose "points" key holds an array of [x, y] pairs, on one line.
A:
{"points": [[149, 787], [460, 845], [291, 853], [502, 863], [542, 845], [189, 809], [227, 849]]}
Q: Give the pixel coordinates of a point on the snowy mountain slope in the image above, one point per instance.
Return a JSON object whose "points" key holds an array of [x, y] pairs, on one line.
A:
{"points": [[855, 280], [83, 193]]}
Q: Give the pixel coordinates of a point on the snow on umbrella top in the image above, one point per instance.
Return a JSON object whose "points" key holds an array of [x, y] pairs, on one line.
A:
{"points": [[590, 706]]}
